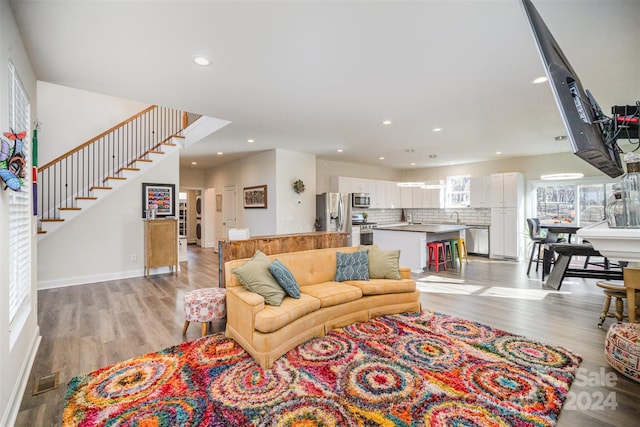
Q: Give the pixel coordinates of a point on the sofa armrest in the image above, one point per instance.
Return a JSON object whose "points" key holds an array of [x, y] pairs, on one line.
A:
{"points": [[405, 272], [242, 307]]}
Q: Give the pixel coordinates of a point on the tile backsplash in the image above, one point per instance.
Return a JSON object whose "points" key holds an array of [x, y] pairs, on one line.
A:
{"points": [[477, 216]]}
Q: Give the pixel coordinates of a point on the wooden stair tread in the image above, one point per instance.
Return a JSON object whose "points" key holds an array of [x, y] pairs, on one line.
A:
{"points": [[101, 188], [52, 220], [41, 231], [128, 169], [86, 198], [154, 152], [169, 144], [178, 136], [70, 209], [121, 178]]}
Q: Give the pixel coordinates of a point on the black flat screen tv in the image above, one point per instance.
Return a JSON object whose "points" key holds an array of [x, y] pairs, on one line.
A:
{"points": [[589, 131]]}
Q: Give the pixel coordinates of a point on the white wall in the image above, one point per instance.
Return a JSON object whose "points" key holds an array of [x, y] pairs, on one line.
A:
{"points": [[16, 360], [70, 117], [295, 212], [258, 169], [98, 244], [191, 178]]}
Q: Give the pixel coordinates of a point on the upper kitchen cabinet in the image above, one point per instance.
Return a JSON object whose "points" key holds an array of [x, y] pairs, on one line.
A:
{"points": [[427, 197], [346, 184], [480, 192], [384, 194], [507, 190]]}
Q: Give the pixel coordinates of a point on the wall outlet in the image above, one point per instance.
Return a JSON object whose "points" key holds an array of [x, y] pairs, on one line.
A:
{"points": [[133, 258]]}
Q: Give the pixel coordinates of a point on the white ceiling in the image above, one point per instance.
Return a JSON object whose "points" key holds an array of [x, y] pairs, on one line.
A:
{"points": [[318, 76]]}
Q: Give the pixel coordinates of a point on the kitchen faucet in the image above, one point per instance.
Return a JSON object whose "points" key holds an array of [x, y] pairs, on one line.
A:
{"points": [[457, 216]]}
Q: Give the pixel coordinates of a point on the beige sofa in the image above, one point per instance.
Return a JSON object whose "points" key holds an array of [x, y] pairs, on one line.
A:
{"points": [[267, 332]]}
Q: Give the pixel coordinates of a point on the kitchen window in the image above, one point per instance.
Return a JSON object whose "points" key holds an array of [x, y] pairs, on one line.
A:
{"points": [[458, 192]]}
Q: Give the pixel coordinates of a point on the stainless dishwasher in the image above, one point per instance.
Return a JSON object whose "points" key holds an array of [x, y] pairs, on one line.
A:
{"points": [[477, 240]]}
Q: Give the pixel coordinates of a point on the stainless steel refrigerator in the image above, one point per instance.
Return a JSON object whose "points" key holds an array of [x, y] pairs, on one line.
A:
{"points": [[333, 213]]}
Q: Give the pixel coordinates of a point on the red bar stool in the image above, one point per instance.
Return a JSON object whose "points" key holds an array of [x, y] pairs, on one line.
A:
{"points": [[437, 255]]}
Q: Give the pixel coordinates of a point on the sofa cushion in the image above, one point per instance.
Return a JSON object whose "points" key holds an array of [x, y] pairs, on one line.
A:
{"points": [[284, 278], [255, 277], [383, 286], [273, 318], [333, 293], [384, 264], [352, 266]]}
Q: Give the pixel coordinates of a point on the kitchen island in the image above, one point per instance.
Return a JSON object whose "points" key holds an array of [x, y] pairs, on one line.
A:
{"points": [[412, 240]]}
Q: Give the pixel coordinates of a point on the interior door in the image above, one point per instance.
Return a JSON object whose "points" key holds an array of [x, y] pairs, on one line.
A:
{"points": [[229, 209]]}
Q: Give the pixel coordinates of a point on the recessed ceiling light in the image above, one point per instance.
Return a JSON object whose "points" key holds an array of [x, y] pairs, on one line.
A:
{"points": [[386, 122], [539, 80], [380, 158], [560, 137], [250, 141], [437, 129], [561, 176], [194, 163], [219, 153], [413, 163], [201, 60], [498, 152], [340, 150]]}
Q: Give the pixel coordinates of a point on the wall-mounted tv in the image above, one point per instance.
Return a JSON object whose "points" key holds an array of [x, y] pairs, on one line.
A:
{"points": [[591, 133]]}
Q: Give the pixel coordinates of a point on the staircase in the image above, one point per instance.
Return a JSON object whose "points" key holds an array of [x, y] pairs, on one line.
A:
{"points": [[78, 179]]}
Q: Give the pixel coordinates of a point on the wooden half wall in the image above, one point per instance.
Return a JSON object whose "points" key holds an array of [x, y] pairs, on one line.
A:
{"points": [[272, 245]]}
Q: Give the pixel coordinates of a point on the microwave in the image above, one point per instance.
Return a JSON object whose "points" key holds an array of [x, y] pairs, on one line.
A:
{"points": [[360, 200]]}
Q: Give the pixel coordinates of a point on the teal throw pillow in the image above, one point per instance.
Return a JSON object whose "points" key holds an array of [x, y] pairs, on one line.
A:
{"points": [[285, 278], [353, 266], [255, 277]]}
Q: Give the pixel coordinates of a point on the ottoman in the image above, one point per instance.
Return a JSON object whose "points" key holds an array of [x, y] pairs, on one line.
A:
{"points": [[204, 305], [622, 349]]}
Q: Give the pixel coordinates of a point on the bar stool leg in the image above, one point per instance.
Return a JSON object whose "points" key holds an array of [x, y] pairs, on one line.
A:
{"points": [[205, 328]]}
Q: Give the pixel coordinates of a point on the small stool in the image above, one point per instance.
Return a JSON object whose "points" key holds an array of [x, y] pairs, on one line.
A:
{"points": [[437, 255], [462, 250], [618, 292], [622, 349], [455, 250], [204, 306], [448, 253]]}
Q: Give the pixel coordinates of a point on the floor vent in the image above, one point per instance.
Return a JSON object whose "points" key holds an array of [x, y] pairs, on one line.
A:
{"points": [[46, 383]]}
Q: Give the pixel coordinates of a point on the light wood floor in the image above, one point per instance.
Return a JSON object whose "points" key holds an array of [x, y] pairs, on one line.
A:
{"points": [[90, 326]]}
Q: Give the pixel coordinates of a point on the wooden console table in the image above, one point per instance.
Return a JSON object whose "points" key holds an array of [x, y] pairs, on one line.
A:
{"points": [[277, 244]]}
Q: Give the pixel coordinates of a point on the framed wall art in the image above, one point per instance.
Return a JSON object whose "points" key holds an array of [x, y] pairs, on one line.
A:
{"points": [[159, 197], [254, 197]]}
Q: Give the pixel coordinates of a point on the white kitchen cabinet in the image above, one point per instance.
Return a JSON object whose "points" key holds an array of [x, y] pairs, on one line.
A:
{"points": [[507, 190], [507, 211], [392, 195], [480, 192], [427, 198], [505, 233], [378, 193], [346, 184], [405, 197]]}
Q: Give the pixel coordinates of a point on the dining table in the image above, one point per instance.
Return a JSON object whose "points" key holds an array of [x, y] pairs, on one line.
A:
{"points": [[554, 230], [559, 228]]}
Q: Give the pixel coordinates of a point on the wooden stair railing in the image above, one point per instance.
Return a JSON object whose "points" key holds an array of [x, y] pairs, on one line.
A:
{"points": [[77, 174]]}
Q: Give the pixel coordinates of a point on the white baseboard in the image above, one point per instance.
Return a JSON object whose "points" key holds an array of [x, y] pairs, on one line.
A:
{"points": [[11, 413]]}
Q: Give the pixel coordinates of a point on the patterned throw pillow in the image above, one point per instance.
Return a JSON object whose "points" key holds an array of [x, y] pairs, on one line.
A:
{"points": [[255, 277], [285, 278], [353, 266]]}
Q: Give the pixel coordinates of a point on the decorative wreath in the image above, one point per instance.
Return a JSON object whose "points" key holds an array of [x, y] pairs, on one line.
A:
{"points": [[298, 186], [12, 161]]}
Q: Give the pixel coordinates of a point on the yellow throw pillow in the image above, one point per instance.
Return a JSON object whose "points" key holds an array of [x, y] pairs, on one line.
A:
{"points": [[384, 264], [256, 277]]}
